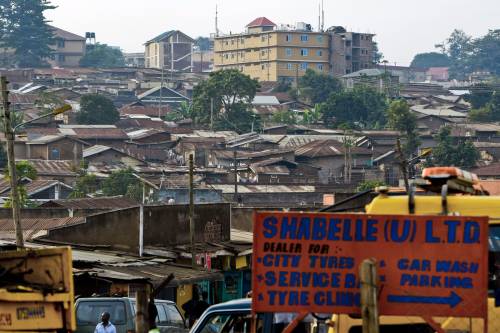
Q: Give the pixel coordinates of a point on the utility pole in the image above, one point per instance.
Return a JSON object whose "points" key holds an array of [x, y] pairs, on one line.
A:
{"points": [[403, 165], [10, 136], [142, 314], [369, 308], [235, 177], [161, 91], [191, 211], [211, 113]]}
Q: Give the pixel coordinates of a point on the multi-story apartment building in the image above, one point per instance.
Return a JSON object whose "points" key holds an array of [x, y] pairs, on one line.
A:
{"points": [[171, 50], [271, 53], [67, 50], [353, 50]]}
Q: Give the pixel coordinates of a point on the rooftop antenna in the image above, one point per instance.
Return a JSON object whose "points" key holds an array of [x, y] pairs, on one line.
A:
{"points": [[319, 17], [216, 23], [322, 16]]}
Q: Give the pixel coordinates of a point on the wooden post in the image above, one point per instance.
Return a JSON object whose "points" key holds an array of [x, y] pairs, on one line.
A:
{"points": [[235, 161], [10, 136], [369, 307], [142, 314], [191, 211], [403, 164]]}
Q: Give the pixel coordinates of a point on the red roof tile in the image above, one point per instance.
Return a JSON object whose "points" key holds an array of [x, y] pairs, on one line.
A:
{"points": [[261, 22], [150, 111]]}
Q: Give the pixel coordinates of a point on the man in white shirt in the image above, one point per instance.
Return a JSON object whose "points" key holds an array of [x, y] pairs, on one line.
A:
{"points": [[105, 325]]}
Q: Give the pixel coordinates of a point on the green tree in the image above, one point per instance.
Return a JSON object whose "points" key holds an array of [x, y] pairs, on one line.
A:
{"points": [[312, 116], [47, 102], [490, 111], [377, 55], [231, 93], [430, 59], [318, 86], [3, 157], [400, 118], [23, 27], [122, 182], [361, 107], [369, 185], [479, 96], [24, 169], [203, 43], [459, 49], [96, 109], [102, 56], [85, 184], [284, 117], [462, 154], [486, 52]]}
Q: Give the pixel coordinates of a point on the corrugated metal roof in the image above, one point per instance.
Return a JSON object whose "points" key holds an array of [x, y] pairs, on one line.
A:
{"points": [[440, 112], [265, 100], [93, 203], [264, 188], [325, 148], [94, 150], [54, 167]]}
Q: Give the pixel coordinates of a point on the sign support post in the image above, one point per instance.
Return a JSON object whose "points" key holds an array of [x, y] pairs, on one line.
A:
{"points": [[369, 306]]}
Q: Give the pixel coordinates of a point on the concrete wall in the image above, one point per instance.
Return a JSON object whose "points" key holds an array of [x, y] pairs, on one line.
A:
{"points": [[163, 226]]}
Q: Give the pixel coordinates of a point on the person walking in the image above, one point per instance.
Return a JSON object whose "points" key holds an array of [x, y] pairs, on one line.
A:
{"points": [[190, 307], [105, 325]]}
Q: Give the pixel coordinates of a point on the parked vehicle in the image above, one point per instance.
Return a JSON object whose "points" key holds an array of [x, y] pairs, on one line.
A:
{"points": [[122, 311]]}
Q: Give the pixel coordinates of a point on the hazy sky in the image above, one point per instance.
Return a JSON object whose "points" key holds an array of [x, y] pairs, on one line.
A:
{"points": [[403, 27]]}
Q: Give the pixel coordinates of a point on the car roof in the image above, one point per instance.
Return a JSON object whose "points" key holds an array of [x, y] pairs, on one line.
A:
{"points": [[110, 299], [237, 304]]}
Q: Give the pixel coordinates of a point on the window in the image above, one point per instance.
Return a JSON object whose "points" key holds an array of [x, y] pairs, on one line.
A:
{"points": [[289, 52], [55, 154], [162, 316], [232, 41], [173, 315], [263, 52], [304, 52], [304, 38], [263, 38], [89, 313], [320, 67], [319, 38], [242, 41], [232, 55], [61, 57], [60, 43], [237, 323], [289, 38], [262, 66], [319, 53], [289, 66], [303, 66]]}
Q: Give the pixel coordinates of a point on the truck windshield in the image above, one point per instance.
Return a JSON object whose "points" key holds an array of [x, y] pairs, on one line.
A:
{"points": [[89, 313]]}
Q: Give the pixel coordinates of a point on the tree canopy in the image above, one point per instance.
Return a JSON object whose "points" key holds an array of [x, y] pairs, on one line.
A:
{"points": [[103, 56], [23, 27], [203, 43], [461, 154], [361, 107], [231, 93], [97, 109], [488, 110], [318, 86], [430, 59], [24, 169], [400, 118], [122, 182]]}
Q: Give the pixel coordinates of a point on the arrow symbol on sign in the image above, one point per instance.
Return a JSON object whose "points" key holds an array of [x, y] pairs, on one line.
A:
{"points": [[451, 300]]}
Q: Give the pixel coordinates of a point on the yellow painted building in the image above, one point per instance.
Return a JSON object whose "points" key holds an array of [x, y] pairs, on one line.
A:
{"points": [[268, 54]]}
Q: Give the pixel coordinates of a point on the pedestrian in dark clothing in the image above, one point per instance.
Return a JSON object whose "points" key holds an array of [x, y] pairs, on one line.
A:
{"points": [[190, 307], [203, 304]]}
